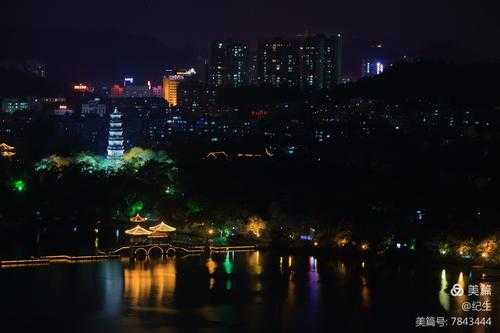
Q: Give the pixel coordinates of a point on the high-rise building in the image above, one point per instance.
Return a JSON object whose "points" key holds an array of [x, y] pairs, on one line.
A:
{"points": [[339, 59], [115, 138], [310, 62], [331, 61], [228, 64], [237, 64], [278, 63], [172, 85], [320, 61], [217, 63], [307, 62], [171, 89]]}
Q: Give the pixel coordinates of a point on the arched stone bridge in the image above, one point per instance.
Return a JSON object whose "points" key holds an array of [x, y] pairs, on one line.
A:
{"points": [[169, 249], [148, 249]]}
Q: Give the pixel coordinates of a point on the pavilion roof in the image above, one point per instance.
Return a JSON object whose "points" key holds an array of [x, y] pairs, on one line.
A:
{"points": [[162, 227], [5, 147], [138, 231], [137, 219]]}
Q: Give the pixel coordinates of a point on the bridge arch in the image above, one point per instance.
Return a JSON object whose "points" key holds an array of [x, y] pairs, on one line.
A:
{"points": [[155, 247], [170, 251], [139, 250]]}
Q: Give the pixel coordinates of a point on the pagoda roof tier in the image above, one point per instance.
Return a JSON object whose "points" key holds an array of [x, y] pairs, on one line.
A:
{"points": [[162, 227], [137, 219], [138, 231]]}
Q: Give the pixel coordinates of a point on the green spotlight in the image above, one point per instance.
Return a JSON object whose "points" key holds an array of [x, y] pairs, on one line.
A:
{"points": [[19, 185]]}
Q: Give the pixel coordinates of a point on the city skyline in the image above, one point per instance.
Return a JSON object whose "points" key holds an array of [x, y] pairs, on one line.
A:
{"points": [[105, 41]]}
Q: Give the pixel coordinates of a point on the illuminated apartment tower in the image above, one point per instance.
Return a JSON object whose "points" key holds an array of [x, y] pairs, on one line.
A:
{"points": [[228, 64], [171, 89], [115, 139]]}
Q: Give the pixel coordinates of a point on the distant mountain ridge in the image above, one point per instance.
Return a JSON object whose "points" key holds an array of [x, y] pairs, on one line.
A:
{"points": [[75, 55]]}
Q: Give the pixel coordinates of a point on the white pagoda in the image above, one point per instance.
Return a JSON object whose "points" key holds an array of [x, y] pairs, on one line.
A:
{"points": [[115, 138]]}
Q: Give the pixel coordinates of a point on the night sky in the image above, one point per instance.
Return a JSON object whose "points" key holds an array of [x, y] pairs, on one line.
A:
{"points": [[402, 25]]}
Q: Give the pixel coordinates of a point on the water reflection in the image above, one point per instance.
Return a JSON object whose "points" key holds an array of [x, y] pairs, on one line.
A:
{"points": [[211, 266], [365, 293], [460, 299], [254, 263], [444, 297], [150, 282], [246, 294], [112, 288], [228, 264], [314, 291]]}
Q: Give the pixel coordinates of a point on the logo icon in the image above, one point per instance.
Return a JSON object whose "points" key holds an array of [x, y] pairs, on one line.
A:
{"points": [[457, 290]]}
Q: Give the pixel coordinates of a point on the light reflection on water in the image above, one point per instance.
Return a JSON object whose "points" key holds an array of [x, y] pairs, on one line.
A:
{"points": [[147, 280], [256, 290], [444, 297]]}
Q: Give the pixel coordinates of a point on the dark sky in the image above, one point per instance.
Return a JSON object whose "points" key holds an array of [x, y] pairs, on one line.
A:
{"points": [[401, 25], [180, 22]]}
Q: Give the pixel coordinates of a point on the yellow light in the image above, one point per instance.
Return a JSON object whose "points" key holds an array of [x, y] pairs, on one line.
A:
{"points": [[364, 246], [210, 231], [487, 248], [461, 280], [315, 243], [256, 225]]}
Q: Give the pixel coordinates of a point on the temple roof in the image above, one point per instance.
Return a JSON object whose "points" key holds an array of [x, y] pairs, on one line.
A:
{"points": [[137, 219], [138, 231], [162, 227]]}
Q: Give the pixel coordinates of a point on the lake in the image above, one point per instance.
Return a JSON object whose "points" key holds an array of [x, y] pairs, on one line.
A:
{"points": [[240, 292]]}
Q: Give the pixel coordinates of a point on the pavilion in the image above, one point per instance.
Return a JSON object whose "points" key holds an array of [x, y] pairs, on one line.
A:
{"points": [[137, 219], [138, 231], [161, 230], [6, 150]]}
